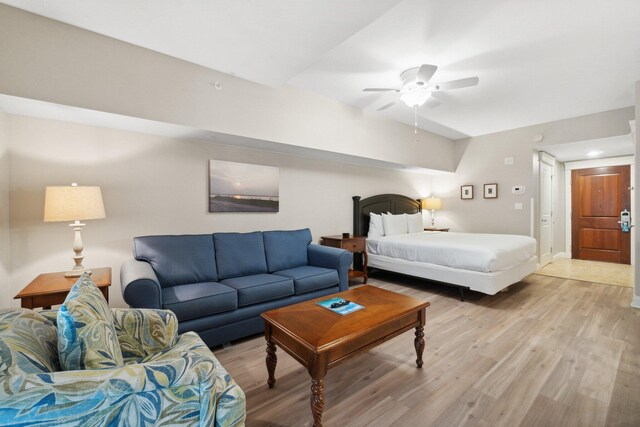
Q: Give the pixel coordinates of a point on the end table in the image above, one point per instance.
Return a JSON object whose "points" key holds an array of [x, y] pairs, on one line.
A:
{"points": [[52, 288], [355, 244]]}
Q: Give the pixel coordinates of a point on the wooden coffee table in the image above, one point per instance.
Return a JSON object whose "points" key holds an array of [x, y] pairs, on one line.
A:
{"points": [[320, 339]]}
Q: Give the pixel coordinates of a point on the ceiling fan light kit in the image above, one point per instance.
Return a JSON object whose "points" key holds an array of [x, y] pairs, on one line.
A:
{"points": [[416, 90], [415, 97]]}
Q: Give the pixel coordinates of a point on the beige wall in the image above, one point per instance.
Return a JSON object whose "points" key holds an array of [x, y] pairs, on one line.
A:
{"points": [[480, 160], [5, 297], [155, 185], [50, 61]]}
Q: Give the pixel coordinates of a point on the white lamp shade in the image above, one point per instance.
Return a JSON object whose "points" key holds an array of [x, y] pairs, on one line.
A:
{"points": [[72, 203], [432, 203]]}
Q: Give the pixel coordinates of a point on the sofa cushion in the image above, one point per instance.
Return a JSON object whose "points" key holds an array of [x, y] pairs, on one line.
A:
{"points": [[239, 254], [199, 299], [178, 260], [286, 249], [308, 278], [28, 343], [86, 332], [260, 288]]}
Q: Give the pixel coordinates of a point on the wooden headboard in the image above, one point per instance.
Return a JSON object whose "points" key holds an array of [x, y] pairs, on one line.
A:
{"points": [[382, 203]]}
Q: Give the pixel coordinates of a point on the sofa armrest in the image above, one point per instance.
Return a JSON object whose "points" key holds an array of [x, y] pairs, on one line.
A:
{"points": [[334, 258], [51, 315], [142, 332], [140, 285], [188, 383]]}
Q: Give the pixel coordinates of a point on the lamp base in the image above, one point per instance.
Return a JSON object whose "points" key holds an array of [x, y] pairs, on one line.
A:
{"points": [[77, 273], [77, 269]]}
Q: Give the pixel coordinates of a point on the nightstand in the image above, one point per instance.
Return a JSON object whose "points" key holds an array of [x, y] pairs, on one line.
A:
{"points": [[355, 244], [52, 288], [436, 229]]}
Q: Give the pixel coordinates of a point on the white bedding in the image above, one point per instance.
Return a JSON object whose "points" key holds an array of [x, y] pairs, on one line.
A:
{"points": [[468, 251]]}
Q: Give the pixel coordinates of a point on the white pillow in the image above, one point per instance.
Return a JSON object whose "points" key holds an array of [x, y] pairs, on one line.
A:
{"points": [[414, 223], [375, 226], [394, 224]]}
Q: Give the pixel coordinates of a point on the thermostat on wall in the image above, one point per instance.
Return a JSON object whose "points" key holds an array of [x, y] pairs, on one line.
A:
{"points": [[517, 189]]}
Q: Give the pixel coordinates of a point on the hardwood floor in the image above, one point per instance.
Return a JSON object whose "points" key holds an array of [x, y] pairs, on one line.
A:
{"points": [[547, 352]]}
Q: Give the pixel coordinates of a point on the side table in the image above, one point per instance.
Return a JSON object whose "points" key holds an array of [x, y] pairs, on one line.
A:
{"points": [[52, 288], [435, 229], [355, 244]]}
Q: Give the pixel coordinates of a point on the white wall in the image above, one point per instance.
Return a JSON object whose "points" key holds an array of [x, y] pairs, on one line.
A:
{"points": [[636, 271], [50, 61], [155, 185], [559, 213], [5, 298]]}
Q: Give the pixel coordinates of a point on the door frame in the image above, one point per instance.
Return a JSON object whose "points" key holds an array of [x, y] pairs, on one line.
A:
{"points": [[596, 163], [549, 160]]}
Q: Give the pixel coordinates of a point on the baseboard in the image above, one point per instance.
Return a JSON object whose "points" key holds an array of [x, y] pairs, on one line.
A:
{"points": [[636, 301], [560, 255]]}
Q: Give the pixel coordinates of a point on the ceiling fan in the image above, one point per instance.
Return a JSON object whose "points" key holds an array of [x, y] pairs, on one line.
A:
{"points": [[416, 89]]}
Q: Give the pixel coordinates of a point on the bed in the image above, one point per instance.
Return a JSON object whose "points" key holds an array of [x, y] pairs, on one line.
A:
{"points": [[484, 263]]}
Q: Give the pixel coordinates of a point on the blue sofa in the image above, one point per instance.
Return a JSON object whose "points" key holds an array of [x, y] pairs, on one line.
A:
{"points": [[219, 284]]}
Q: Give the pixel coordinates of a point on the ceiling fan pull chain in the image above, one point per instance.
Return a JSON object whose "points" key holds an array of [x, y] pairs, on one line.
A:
{"points": [[415, 122]]}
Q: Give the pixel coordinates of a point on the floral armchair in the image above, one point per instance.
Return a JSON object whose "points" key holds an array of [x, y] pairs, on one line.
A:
{"points": [[165, 379]]}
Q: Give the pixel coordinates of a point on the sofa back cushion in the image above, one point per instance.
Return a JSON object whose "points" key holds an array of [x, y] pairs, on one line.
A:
{"points": [[87, 336], [28, 343], [286, 249], [239, 254], [178, 260]]}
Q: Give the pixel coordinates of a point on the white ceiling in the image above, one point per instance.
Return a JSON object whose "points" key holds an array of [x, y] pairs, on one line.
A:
{"points": [[614, 146], [537, 60]]}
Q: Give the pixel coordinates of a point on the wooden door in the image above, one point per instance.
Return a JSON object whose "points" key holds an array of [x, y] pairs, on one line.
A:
{"points": [[598, 195]]}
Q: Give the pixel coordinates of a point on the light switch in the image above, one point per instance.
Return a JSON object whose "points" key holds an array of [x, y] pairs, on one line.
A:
{"points": [[517, 189], [517, 206], [508, 161]]}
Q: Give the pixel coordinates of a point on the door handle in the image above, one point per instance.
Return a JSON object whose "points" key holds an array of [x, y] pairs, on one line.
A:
{"points": [[625, 221]]}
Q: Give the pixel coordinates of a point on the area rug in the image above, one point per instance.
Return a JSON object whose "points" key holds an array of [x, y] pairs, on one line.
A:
{"points": [[590, 271]]}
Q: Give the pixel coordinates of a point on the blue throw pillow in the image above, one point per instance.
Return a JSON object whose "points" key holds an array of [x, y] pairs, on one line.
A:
{"points": [[86, 332]]}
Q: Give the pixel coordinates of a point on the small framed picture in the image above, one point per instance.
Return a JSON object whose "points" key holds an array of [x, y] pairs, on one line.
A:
{"points": [[466, 192], [491, 191]]}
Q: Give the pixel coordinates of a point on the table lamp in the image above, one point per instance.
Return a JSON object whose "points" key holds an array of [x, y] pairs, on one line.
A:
{"points": [[74, 203], [433, 204]]}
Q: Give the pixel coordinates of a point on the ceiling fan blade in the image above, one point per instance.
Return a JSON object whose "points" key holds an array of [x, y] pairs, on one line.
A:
{"points": [[385, 106], [425, 73], [455, 84], [380, 89]]}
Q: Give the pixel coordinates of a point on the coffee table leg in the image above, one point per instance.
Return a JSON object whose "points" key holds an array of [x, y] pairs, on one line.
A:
{"points": [[317, 400], [272, 359], [419, 343]]}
